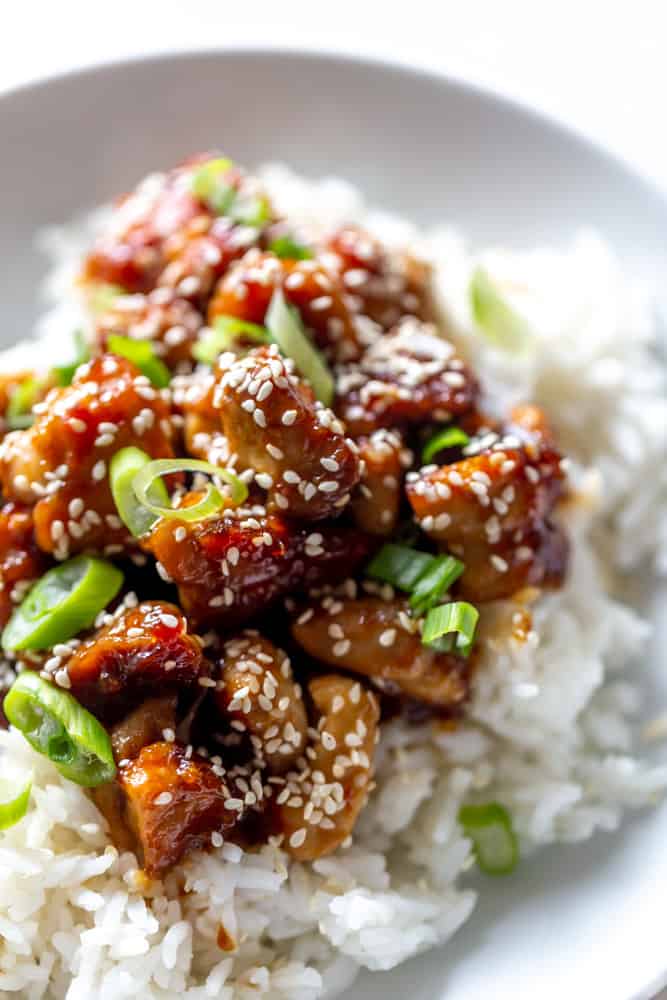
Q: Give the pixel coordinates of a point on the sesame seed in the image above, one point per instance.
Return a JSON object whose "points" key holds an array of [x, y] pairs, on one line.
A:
{"points": [[99, 470], [288, 417], [163, 799], [388, 637], [297, 838], [342, 647]]}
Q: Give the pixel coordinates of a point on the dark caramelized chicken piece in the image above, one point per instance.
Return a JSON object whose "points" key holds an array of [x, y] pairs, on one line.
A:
{"points": [[145, 724], [247, 288], [380, 640], [387, 285], [231, 567], [275, 426], [377, 501], [493, 508], [173, 803], [144, 650], [61, 463], [257, 690], [319, 805], [411, 376], [21, 562], [168, 322]]}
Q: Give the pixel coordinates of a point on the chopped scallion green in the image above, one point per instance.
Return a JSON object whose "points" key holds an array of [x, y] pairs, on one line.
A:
{"points": [[434, 582], [208, 184], [19, 410], [495, 843], [285, 326], [225, 335], [288, 249], [142, 354], [400, 566], [459, 619], [497, 320], [450, 437], [13, 803]]}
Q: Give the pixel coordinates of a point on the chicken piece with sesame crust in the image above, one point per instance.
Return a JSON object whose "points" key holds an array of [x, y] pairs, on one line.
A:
{"points": [[174, 801], [319, 804], [256, 689], [388, 286], [493, 508], [144, 650], [229, 567], [247, 289], [377, 501], [21, 562], [411, 376], [61, 462], [169, 323], [274, 425], [379, 639]]}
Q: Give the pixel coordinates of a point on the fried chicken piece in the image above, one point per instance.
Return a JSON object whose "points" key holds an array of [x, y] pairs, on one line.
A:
{"points": [[173, 803], [257, 689], [21, 562], [144, 650], [170, 323], [410, 376], [376, 504], [493, 508], [318, 807], [144, 725], [230, 567], [379, 639], [247, 289], [61, 463], [388, 285], [274, 425]]}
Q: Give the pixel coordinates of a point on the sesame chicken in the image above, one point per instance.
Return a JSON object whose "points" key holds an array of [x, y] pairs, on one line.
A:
{"points": [[145, 724], [318, 806], [378, 639], [174, 802], [169, 323], [247, 289], [257, 690], [377, 502], [144, 649], [294, 444], [408, 377], [231, 567], [493, 508], [388, 285], [21, 562], [61, 462]]}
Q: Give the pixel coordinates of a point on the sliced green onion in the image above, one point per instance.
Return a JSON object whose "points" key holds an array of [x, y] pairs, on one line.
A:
{"points": [[497, 320], [211, 502], [224, 336], [400, 566], [123, 467], [494, 841], [285, 326], [13, 804], [19, 411], [288, 249], [249, 210], [207, 183], [64, 601], [458, 619], [450, 437], [142, 354], [56, 725], [102, 295], [434, 582], [65, 373]]}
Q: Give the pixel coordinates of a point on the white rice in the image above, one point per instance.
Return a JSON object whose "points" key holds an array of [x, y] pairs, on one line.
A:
{"points": [[549, 732]]}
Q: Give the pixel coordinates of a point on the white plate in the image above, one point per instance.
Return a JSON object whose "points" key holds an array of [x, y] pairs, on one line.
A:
{"points": [[584, 922]]}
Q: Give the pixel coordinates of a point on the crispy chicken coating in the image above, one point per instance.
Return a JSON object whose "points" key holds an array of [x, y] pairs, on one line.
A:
{"points": [[257, 690], [318, 806], [380, 640], [141, 651], [229, 568], [410, 376], [173, 803], [493, 508], [170, 323], [247, 288], [61, 463], [274, 425], [21, 562]]}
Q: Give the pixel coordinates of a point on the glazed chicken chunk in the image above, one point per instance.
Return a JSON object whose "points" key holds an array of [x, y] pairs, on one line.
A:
{"points": [[378, 639], [274, 425], [61, 462], [169, 323], [21, 562], [493, 508], [377, 502]]}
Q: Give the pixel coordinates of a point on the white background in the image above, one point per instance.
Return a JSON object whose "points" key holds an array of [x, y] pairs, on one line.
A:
{"points": [[599, 65]]}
